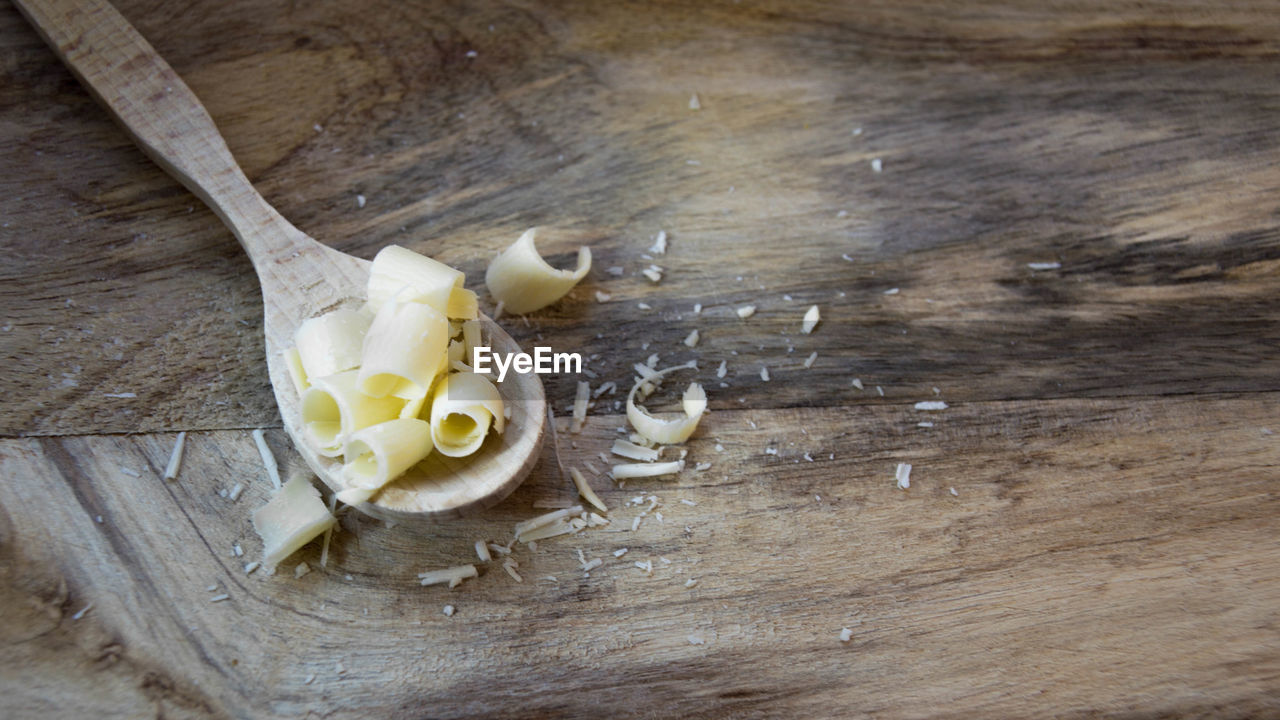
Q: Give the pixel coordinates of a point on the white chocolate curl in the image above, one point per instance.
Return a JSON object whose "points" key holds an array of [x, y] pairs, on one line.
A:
{"points": [[521, 281]]}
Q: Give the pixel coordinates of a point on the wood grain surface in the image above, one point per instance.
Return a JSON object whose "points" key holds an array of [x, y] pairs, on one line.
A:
{"points": [[1110, 548]]}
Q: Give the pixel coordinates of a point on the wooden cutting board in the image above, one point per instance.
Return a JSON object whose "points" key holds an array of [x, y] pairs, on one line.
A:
{"points": [[1061, 221]]}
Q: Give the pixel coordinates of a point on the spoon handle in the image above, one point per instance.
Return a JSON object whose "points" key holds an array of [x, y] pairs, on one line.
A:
{"points": [[121, 69]]}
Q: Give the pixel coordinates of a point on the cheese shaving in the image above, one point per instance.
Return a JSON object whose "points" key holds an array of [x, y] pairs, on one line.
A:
{"points": [[175, 457], [659, 243], [580, 407], [525, 527], [694, 400], [811, 318], [523, 282], [634, 470], [482, 551], [328, 534], [931, 405], [692, 339], [268, 459], [451, 575], [293, 517], [808, 363], [293, 362], [664, 431], [903, 475], [746, 311], [585, 490], [633, 451]]}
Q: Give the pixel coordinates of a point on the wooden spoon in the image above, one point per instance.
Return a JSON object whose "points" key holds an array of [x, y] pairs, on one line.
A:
{"points": [[300, 277]]}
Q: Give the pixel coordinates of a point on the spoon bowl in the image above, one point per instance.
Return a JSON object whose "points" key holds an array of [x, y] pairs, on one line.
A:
{"points": [[301, 278]]}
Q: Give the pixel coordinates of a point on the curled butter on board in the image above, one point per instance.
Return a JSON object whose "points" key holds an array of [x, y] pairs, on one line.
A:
{"points": [[521, 281]]}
